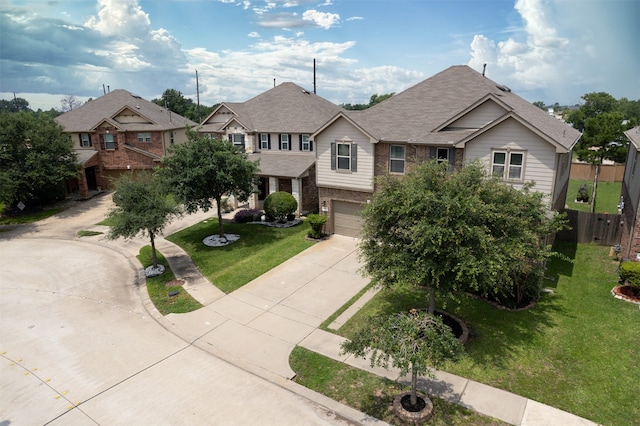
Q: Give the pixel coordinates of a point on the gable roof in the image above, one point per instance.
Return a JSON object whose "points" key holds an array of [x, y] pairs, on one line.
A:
{"points": [[285, 108], [421, 113], [634, 136], [109, 106]]}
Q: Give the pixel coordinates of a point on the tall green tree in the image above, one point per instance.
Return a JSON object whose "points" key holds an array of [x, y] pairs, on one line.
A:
{"points": [[603, 138], [14, 105], [175, 101], [142, 205], [35, 158], [451, 232], [595, 103], [205, 169], [373, 100]]}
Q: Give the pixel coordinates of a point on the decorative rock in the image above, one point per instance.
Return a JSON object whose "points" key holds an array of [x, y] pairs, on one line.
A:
{"points": [[216, 241], [150, 271]]}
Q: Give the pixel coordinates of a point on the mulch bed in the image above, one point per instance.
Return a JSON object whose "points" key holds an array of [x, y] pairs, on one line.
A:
{"points": [[174, 283]]}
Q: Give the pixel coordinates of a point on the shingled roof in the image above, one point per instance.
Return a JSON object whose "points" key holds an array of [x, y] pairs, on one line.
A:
{"points": [[418, 114], [285, 108], [107, 107]]}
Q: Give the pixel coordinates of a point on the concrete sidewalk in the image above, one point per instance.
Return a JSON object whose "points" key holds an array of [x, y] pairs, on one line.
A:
{"points": [[258, 325]]}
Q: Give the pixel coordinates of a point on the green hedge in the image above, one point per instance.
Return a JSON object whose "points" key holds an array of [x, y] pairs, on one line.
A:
{"points": [[630, 273]]}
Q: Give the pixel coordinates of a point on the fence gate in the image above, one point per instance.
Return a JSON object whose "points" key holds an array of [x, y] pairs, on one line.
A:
{"points": [[600, 228]]}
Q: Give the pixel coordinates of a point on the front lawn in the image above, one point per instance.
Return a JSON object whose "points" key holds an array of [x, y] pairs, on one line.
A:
{"points": [[576, 350], [259, 249], [24, 218]]}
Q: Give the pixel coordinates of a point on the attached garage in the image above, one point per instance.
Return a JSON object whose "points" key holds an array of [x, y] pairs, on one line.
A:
{"points": [[346, 218]]}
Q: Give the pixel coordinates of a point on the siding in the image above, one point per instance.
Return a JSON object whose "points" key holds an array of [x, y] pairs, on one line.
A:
{"points": [[360, 180], [127, 116], [480, 116], [540, 155], [632, 178]]}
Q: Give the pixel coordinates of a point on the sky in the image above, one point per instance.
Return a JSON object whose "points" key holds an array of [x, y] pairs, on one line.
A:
{"points": [[544, 50]]}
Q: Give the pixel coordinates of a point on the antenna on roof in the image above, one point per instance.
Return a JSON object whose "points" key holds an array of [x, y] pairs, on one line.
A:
{"points": [[484, 68], [314, 76], [104, 91], [108, 89], [274, 82]]}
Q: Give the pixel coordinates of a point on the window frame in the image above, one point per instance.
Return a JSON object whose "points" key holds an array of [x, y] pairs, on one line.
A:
{"points": [[343, 156], [144, 137], [304, 140], [396, 160], [508, 165], [232, 139], [440, 159], [264, 141], [85, 143], [107, 143], [285, 145]]}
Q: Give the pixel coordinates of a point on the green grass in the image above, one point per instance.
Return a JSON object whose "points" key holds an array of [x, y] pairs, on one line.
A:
{"points": [[85, 233], [159, 292], [607, 196], [106, 222], [368, 392], [259, 249], [29, 217], [576, 350]]}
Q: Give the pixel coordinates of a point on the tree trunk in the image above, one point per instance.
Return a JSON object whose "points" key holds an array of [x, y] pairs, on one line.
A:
{"points": [[220, 226], [432, 300], [414, 387], [154, 257]]}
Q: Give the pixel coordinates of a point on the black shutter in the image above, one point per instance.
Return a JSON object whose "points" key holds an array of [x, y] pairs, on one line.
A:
{"points": [[354, 157], [269, 140], [300, 142], [310, 145], [333, 156], [80, 137], [433, 152], [242, 140], [280, 141], [90, 143], [290, 142], [452, 158]]}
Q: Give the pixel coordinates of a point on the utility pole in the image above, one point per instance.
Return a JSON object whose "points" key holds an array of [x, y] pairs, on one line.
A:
{"points": [[198, 98]]}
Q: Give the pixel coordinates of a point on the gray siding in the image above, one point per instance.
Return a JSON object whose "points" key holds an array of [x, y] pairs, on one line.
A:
{"points": [[480, 116]]}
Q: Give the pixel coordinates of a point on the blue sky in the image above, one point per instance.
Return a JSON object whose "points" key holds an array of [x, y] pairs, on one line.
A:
{"points": [[548, 50]]}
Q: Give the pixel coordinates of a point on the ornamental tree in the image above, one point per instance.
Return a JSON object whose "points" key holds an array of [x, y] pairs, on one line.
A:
{"points": [[205, 169], [142, 205], [411, 341], [453, 232]]}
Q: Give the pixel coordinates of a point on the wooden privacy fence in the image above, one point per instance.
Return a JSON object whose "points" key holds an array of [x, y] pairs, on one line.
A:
{"points": [[606, 172], [600, 228]]}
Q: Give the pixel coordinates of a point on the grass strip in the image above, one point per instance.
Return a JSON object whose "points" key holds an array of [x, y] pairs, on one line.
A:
{"points": [[30, 217], [368, 392], [159, 292]]}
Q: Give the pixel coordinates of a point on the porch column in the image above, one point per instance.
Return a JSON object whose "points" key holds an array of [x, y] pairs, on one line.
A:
{"points": [[273, 184], [296, 191]]}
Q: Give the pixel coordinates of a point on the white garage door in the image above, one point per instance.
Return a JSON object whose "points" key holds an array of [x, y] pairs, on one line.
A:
{"points": [[346, 218]]}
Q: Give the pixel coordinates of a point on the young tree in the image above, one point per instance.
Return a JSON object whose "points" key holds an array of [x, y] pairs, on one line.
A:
{"points": [[69, 102], [142, 205], [35, 157], [204, 169], [413, 341], [450, 232]]}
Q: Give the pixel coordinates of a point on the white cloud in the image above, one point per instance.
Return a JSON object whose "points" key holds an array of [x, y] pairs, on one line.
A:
{"points": [[253, 34], [355, 18], [321, 19]]}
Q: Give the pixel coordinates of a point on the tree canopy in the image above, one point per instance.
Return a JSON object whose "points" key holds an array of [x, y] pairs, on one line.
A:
{"points": [[14, 105], [451, 232], [142, 205], [374, 99], [205, 169], [35, 158], [176, 102]]}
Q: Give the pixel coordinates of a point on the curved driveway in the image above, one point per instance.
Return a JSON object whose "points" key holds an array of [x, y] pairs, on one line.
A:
{"points": [[77, 346]]}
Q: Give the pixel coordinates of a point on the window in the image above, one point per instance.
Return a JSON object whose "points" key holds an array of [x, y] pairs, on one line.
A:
{"points": [[284, 142], [344, 156], [171, 141], [508, 165], [109, 142], [305, 143], [237, 139], [85, 139], [442, 155], [265, 141], [144, 137], [396, 159]]}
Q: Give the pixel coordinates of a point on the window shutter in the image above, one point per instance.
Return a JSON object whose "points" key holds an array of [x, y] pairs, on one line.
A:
{"points": [[242, 140], [80, 137], [310, 145], [290, 142], [90, 143], [333, 156], [433, 153], [354, 157], [300, 142], [269, 140], [280, 141], [452, 158]]}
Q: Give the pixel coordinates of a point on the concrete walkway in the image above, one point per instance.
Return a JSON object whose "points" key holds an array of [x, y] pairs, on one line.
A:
{"points": [[260, 324]]}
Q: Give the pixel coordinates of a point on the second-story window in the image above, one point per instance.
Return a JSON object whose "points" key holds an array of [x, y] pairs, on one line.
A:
{"points": [[396, 159], [285, 143], [144, 137], [109, 141], [305, 143], [237, 139], [85, 140], [265, 141], [507, 165]]}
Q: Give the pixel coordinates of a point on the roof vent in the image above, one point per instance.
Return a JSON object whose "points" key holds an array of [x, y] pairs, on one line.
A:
{"points": [[137, 106], [503, 87]]}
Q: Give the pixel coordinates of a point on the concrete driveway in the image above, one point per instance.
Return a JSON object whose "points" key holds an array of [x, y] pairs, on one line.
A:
{"points": [[78, 347]]}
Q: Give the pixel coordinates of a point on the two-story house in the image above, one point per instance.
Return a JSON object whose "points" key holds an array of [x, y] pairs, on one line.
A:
{"points": [[119, 132], [456, 116], [630, 241], [275, 128]]}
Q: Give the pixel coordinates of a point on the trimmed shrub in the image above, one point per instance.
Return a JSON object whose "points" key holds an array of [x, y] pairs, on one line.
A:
{"points": [[279, 205], [317, 225], [630, 273], [583, 194], [247, 215]]}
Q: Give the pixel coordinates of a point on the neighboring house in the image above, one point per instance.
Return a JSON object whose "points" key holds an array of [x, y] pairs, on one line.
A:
{"points": [[118, 132], [275, 128], [456, 116], [630, 204]]}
